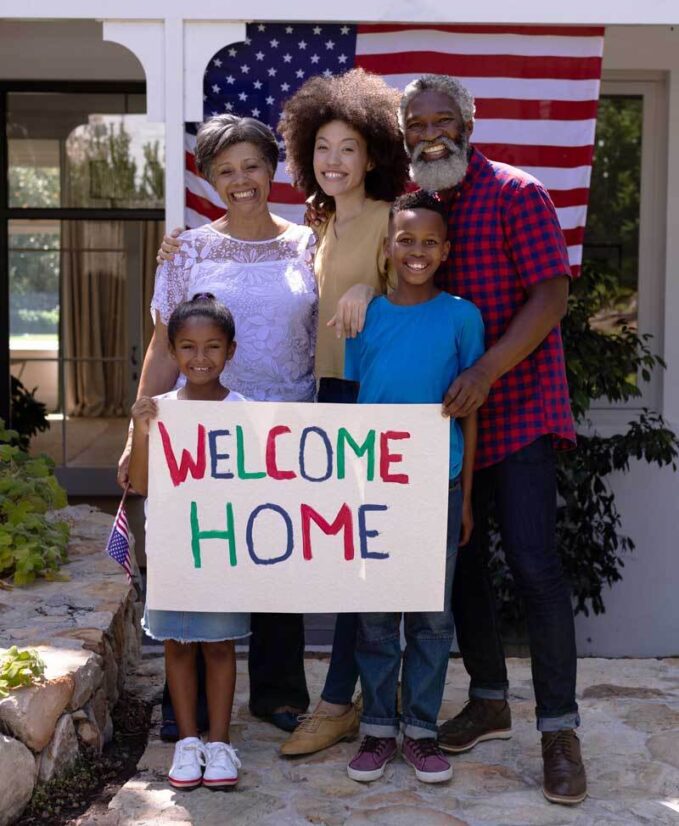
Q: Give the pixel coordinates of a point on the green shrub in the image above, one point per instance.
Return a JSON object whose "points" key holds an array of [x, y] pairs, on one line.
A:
{"points": [[29, 416], [19, 668], [31, 543], [600, 365]]}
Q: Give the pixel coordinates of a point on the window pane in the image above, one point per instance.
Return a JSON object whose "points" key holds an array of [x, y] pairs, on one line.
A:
{"points": [[612, 236], [34, 173], [83, 150], [34, 284]]}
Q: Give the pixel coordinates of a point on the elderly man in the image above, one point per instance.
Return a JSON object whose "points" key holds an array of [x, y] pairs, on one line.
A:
{"points": [[509, 257]]}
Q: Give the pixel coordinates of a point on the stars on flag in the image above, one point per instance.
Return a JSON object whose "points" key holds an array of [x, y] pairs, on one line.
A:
{"points": [[256, 76]]}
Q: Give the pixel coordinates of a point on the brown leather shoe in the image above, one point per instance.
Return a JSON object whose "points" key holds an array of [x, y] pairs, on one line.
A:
{"points": [[565, 779], [318, 731], [479, 720]]}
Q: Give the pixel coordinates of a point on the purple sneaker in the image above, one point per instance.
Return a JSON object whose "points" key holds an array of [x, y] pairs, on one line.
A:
{"points": [[371, 759], [429, 762]]}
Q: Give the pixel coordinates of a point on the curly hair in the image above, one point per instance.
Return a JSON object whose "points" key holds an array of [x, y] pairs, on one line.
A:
{"points": [[365, 103]]}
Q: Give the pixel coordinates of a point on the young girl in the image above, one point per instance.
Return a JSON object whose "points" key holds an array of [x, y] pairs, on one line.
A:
{"points": [[201, 340]]}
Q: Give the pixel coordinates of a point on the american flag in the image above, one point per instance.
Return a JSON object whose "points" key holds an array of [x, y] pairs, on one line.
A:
{"points": [[118, 545], [536, 90]]}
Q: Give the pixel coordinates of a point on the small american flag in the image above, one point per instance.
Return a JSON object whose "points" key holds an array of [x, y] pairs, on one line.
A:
{"points": [[118, 545], [536, 90]]}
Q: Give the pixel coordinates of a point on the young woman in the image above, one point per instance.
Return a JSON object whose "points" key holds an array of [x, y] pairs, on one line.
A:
{"points": [[345, 152]]}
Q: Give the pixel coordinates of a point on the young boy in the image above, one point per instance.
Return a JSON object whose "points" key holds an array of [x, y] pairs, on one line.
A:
{"points": [[414, 343]]}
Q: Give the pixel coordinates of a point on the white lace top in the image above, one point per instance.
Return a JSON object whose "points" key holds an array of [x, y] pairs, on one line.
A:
{"points": [[270, 288]]}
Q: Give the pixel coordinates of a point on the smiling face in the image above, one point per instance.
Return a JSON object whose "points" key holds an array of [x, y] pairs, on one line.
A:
{"points": [[201, 349], [242, 177], [437, 140], [416, 245], [341, 159]]}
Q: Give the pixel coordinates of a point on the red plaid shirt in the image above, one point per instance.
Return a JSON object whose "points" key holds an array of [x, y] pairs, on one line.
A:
{"points": [[505, 238]]}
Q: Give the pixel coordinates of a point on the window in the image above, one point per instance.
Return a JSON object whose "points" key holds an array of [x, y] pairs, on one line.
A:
{"points": [[626, 209]]}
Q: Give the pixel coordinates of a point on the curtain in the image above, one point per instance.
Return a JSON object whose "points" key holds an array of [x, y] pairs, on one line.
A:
{"points": [[94, 317], [151, 235]]}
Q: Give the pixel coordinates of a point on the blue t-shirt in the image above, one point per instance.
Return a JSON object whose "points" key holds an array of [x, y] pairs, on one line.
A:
{"points": [[412, 354]]}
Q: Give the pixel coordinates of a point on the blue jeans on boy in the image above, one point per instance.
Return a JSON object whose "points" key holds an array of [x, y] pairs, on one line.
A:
{"points": [[522, 491], [340, 682], [429, 636]]}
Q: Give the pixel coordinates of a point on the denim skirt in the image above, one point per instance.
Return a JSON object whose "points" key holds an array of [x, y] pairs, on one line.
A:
{"points": [[195, 626]]}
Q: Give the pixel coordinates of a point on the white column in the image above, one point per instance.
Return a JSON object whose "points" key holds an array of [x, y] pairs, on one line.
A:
{"points": [[671, 350], [174, 122]]}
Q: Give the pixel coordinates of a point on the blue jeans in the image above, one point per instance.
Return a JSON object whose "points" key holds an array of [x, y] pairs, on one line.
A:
{"points": [[522, 490], [342, 676], [425, 660]]}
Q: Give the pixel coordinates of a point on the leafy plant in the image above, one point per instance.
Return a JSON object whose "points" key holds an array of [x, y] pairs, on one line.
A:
{"points": [[599, 365], [31, 543], [29, 416], [19, 668]]}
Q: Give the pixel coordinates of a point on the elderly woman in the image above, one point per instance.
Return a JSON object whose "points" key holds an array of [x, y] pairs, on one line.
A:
{"points": [[261, 267]]}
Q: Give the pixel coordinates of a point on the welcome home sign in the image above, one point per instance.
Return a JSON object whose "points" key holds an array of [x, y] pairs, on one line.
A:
{"points": [[259, 506]]}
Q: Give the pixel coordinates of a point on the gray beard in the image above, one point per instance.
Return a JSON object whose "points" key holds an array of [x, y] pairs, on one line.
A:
{"points": [[442, 174]]}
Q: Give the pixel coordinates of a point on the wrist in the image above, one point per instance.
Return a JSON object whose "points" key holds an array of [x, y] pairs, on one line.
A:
{"points": [[488, 365]]}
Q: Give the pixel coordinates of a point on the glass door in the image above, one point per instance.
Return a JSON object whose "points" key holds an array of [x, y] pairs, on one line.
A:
{"points": [[83, 220]]}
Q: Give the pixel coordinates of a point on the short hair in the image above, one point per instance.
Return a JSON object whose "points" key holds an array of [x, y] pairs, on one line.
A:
{"points": [[202, 305], [447, 85], [422, 199], [223, 131], [364, 102]]}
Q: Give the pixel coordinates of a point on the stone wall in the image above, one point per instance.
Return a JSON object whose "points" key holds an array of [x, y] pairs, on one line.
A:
{"points": [[87, 631]]}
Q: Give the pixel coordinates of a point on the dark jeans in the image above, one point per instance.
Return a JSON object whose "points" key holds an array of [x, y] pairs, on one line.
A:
{"points": [[429, 636], [276, 663], [340, 682], [522, 490]]}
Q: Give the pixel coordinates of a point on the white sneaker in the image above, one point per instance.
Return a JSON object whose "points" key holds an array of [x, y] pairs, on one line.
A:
{"points": [[221, 767], [189, 757]]}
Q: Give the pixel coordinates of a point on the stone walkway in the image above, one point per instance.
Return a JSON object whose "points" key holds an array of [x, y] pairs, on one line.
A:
{"points": [[630, 733]]}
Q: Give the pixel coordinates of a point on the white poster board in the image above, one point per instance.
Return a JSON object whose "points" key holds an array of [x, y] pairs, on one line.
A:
{"points": [[260, 506]]}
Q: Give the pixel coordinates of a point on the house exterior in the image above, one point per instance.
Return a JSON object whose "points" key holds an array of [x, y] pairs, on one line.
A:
{"points": [[134, 80]]}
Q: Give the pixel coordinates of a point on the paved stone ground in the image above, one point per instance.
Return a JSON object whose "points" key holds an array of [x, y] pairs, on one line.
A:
{"points": [[630, 734]]}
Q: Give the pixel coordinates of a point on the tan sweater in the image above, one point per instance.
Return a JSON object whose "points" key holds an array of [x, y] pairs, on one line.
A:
{"points": [[357, 257]]}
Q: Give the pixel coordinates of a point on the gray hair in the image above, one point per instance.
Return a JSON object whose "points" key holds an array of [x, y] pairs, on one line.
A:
{"points": [[447, 85], [223, 131]]}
